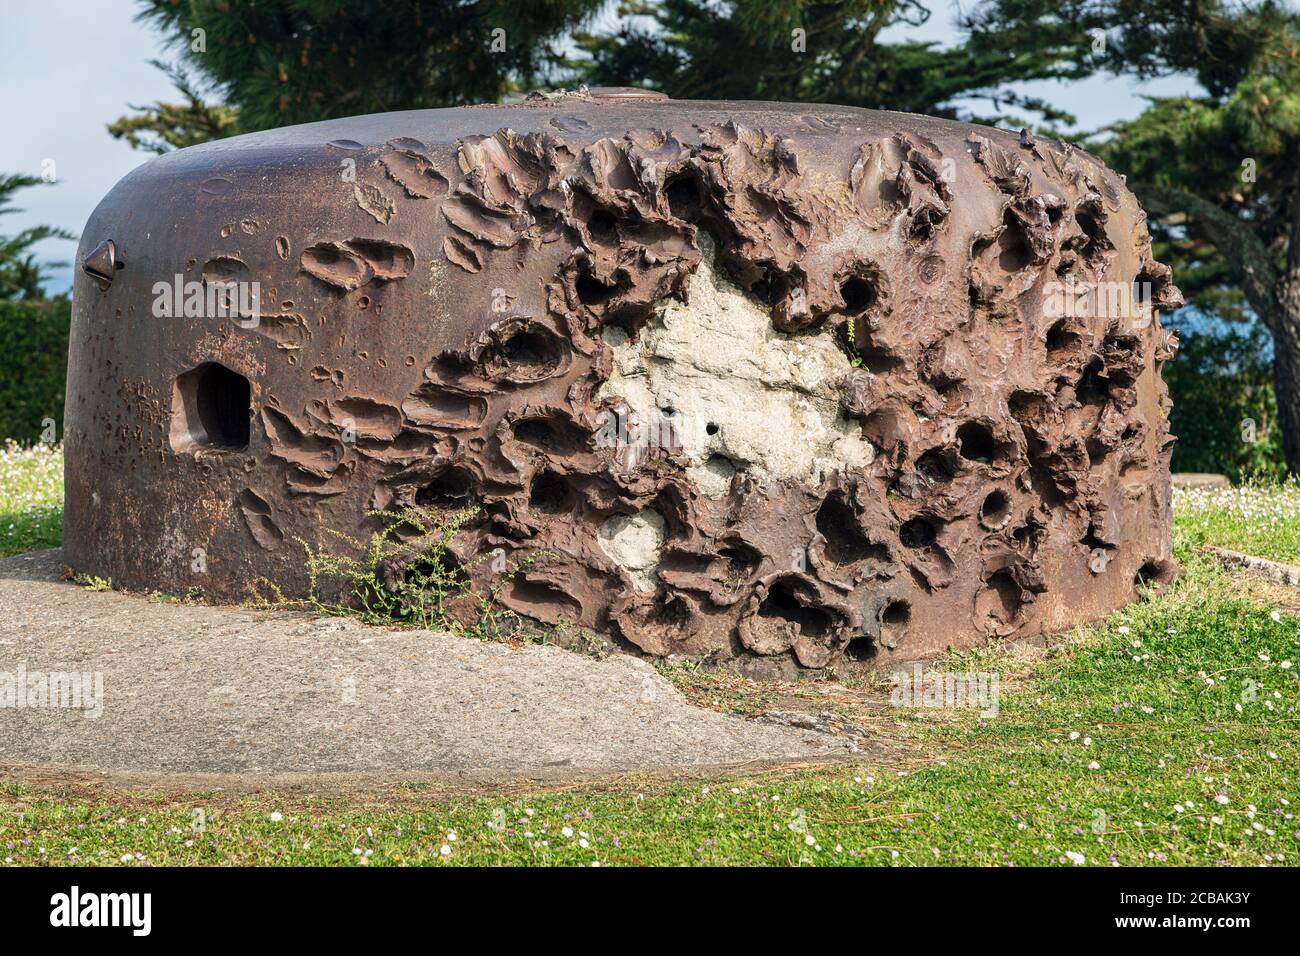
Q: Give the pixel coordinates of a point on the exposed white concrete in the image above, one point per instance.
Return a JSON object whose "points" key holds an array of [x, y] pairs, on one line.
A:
{"points": [[739, 394], [634, 542]]}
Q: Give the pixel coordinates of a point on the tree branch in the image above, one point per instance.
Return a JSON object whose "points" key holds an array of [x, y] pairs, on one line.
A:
{"points": [[1240, 246]]}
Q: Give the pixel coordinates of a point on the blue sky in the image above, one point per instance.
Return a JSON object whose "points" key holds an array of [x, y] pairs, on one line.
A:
{"points": [[69, 67]]}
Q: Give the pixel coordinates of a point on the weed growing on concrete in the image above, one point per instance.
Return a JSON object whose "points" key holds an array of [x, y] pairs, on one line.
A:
{"points": [[407, 574]]}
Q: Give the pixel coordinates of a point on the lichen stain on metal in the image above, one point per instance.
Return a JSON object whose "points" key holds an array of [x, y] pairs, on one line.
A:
{"points": [[746, 381]]}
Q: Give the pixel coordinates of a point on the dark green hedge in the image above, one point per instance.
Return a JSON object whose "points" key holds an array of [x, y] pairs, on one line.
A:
{"points": [[1225, 413], [33, 366]]}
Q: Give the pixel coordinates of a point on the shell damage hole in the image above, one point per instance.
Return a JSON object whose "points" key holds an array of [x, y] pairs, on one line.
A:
{"points": [[685, 197], [895, 618], [936, 467], [1099, 551], [261, 524], [876, 359], [550, 494], [540, 601], [673, 614], [1093, 387], [1000, 601], [845, 542], [711, 428], [1097, 243], [975, 442], [454, 488], [1013, 245], [742, 560], [532, 351], [1154, 574], [535, 431], [443, 567], [1061, 338], [551, 436], [1092, 541], [770, 288], [1023, 404], [603, 227], [591, 291], [917, 533], [1098, 451], [783, 604], [995, 512], [858, 293], [211, 407], [860, 649]]}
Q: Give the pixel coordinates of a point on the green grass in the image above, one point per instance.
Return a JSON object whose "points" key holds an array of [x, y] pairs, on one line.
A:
{"points": [[31, 498], [1263, 520], [1166, 735]]}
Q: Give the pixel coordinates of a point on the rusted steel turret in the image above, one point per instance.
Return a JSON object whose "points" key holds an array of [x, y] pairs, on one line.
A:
{"points": [[736, 379]]}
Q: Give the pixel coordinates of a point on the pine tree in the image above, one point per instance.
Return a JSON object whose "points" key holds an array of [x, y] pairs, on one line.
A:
{"points": [[1219, 173], [280, 62], [822, 52], [20, 274]]}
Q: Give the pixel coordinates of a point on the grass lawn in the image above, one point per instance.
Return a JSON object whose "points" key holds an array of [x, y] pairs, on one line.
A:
{"points": [[1263, 520], [1167, 734], [31, 498]]}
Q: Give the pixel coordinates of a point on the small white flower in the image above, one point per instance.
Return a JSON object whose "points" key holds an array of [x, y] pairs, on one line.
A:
{"points": [[1123, 628], [567, 831], [1075, 857], [277, 816], [1276, 615], [1074, 735], [1220, 798], [1094, 766], [444, 850]]}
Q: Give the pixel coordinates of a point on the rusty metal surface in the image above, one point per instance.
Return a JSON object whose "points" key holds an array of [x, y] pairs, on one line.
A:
{"points": [[442, 294]]}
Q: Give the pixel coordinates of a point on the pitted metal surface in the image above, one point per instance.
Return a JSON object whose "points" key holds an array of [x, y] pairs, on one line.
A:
{"points": [[732, 379]]}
